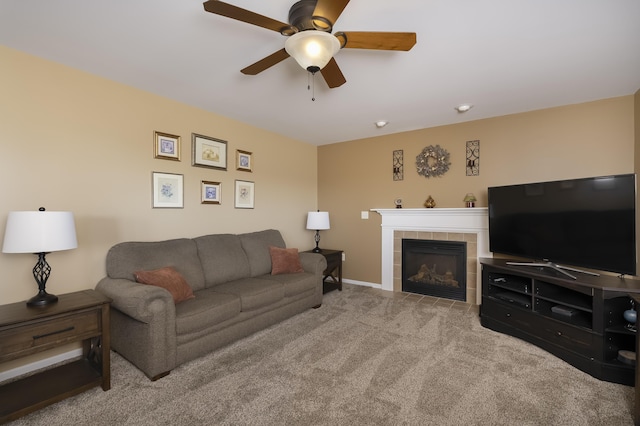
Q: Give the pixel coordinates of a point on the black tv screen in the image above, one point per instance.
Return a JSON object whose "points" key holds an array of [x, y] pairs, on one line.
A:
{"points": [[588, 222]]}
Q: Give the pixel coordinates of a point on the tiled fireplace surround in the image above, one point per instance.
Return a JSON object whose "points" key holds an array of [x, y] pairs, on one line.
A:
{"points": [[466, 224]]}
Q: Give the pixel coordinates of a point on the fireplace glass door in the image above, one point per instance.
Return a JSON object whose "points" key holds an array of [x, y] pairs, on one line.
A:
{"points": [[435, 268]]}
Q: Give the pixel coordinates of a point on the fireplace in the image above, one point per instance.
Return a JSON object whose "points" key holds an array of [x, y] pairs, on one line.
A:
{"points": [[435, 268], [470, 225]]}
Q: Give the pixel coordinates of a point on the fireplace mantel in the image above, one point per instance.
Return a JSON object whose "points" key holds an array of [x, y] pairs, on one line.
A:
{"points": [[463, 220], [442, 220]]}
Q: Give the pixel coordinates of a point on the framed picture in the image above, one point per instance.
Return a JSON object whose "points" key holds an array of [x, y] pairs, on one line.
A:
{"points": [[209, 152], [243, 160], [168, 190], [245, 194], [210, 192], [166, 146]]}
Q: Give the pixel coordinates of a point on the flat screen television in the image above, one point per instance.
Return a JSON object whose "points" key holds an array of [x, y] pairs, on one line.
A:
{"points": [[587, 223]]}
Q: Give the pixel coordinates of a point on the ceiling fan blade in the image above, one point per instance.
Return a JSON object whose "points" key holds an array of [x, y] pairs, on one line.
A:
{"points": [[332, 74], [377, 40], [234, 12], [330, 9], [265, 63]]}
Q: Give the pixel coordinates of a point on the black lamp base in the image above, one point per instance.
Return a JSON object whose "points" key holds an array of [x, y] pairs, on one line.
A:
{"points": [[41, 274], [42, 299], [317, 238]]}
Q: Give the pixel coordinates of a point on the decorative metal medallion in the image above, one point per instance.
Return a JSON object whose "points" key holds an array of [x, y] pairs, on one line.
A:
{"points": [[398, 165], [473, 158], [433, 161]]}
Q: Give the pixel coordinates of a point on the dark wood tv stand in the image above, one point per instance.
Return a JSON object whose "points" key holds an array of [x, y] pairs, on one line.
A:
{"points": [[580, 321]]}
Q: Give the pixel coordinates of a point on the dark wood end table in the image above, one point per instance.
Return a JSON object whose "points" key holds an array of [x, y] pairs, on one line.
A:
{"points": [[81, 316], [332, 276]]}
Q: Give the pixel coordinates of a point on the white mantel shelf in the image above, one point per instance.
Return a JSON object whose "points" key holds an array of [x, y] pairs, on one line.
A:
{"points": [[463, 220], [457, 220]]}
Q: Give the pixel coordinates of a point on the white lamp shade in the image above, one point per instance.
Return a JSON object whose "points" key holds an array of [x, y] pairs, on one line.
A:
{"points": [[318, 220], [39, 232], [312, 48]]}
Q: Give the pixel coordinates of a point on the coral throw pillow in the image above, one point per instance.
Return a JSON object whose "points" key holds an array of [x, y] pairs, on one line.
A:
{"points": [[284, 261], [169, 279]]}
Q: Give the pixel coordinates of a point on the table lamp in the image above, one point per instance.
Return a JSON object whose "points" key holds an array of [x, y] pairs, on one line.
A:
{"points": [[40, 232], [318, 221]]}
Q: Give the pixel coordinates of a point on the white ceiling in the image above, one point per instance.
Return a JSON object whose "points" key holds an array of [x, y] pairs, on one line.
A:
{"points": [[503, 56]]}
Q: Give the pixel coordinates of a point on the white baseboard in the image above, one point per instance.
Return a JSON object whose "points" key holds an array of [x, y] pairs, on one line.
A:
{"points": [[362, 283], [43, 363]]}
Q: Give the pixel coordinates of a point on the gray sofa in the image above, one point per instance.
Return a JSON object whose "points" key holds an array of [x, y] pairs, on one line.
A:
{"points": [[235, 295]]}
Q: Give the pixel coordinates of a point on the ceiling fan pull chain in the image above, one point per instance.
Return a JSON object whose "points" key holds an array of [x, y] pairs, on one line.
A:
{"points": [[311, 84]]}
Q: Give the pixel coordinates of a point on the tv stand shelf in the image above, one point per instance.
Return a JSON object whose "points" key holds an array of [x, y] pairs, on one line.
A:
{"points": [[580, 321]]}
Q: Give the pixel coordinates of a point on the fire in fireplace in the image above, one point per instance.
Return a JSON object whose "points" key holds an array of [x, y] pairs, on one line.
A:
{"points": [[435, 268]]}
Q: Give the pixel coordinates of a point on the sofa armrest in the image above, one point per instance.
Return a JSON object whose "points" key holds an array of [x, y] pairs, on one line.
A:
{"points": [[314, 263], [140, 301], [143, 324]]}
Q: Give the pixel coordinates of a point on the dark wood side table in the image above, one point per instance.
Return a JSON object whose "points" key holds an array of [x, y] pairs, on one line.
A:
{"points": [[80, 316], [332, 276]]}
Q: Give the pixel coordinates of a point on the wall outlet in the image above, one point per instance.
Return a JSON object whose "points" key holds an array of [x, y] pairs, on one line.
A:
{"points": [[344, 257]]}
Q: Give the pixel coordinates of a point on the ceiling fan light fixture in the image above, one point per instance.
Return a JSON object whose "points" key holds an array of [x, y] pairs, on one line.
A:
{"points": [[321, 23], [289, 30], [312, 48]]}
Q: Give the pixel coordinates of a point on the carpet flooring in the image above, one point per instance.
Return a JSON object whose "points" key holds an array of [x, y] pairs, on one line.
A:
{"points": [[366, 357]]}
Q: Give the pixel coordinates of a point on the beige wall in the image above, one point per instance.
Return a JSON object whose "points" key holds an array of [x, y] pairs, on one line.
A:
{"points": [[636, 111], [73, 141], [590, 139], [636, 120]]}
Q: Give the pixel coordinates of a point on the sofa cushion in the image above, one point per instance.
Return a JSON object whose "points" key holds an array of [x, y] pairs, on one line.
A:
{"points": [[126, 258], [256, 245], [254, 293], [209, 308], [169, 279], [294, 284], [285, 261], [222, 257]]}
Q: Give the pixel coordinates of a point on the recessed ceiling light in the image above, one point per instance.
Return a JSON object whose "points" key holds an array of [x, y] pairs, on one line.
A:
{"points": [[381, 123], [463, 107]]}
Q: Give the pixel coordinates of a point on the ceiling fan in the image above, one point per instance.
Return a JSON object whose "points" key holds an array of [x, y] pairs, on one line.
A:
{"points": [[310, 41]]}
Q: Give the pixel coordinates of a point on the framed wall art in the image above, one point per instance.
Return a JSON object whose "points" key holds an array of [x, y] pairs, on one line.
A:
{"points": [[245, 194], [209, 152], [210, 192], [166, 146], [168, 190], [243, 160]]}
